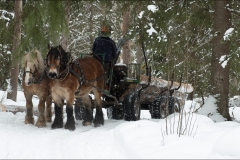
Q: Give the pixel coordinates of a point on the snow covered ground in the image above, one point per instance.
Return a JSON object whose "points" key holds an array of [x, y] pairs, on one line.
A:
{"points": [[144, 139]]}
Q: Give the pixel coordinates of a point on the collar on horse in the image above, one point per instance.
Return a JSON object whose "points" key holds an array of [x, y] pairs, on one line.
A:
{"points": [[65, 72], [81, 78], [39, 78]]}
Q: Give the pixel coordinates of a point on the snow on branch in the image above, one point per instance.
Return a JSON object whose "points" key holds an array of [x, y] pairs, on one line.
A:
{"points": [[185, 88], [234, 11], [4, 13]]}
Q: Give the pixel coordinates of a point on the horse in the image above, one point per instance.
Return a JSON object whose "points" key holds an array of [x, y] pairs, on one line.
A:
{"points": [[70, 79], [36, 82]]}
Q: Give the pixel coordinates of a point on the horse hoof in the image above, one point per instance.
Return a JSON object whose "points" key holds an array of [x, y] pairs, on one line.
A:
{"points": [[57, 125], [85, 123], [98, 122], [97, 125], [29, 121], [49, 120], [70, 127], [41, 124]]}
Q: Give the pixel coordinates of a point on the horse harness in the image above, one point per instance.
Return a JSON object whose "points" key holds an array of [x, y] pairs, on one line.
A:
{"points": [[81, 79], [40, 78]]}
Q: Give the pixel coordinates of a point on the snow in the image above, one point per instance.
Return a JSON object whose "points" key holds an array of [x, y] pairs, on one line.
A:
{"points": [[152, 8], [151, 30], [228, 34], [211, 111], [223, 60], [4, 13], [140, 14], [118, 139]]}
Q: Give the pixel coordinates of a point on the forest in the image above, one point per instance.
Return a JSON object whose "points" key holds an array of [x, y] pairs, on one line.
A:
{"points": [[198, 39]]}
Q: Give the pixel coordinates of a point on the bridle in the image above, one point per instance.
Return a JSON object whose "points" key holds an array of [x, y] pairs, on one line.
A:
{"points": [[34, 75], [59, 58], [63, 74]]}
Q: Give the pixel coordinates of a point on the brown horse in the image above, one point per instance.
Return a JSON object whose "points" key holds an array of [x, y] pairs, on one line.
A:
{"points": [[36, 82], [70, 79]]}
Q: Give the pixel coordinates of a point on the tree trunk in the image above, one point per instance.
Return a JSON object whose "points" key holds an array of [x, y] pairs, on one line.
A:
{"points": [[139, 54], [14, 71], [219, 74], [64, 40], [126, 47], [91, 38]]}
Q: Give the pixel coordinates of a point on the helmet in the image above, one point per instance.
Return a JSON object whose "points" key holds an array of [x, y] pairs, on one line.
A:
{"points": [[106, 28]]}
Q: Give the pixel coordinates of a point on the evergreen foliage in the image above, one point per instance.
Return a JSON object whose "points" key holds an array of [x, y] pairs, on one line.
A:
{"points": [[6, 30], [43, 23], [180, 42]]}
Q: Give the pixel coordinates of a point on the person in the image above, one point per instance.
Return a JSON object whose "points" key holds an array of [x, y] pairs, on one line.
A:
{"points": [[104, 48]]}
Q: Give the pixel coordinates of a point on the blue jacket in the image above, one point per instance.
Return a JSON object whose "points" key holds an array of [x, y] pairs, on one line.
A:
{"points": [[104, 45]]}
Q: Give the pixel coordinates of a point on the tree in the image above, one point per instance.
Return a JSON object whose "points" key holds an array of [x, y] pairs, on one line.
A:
{"points": [[6, 30], [126, 55], [14, 71], [64, 40], [219, 73]]}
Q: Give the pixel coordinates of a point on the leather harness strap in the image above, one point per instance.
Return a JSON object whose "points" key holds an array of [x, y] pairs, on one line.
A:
{"points": [[81, 78]]}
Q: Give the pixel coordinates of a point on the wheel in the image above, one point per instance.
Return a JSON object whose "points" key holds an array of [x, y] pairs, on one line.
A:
{"points": [[131, 107], [174, 105], [155, 108], [158, 109], [79, 109], [114, 113], [79, 112]]}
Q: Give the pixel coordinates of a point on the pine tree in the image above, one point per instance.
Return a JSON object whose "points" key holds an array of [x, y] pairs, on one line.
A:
{"points": [[14, 71], [6, 30], [221, 47]]}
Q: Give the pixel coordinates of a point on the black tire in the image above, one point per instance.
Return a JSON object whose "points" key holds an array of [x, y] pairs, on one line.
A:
{"points": [[131, 107], [114, 113], [155, 108], [174, 105], [158, 108], [79, 110]]}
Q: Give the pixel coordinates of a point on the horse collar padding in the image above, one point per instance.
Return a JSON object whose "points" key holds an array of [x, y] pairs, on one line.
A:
{"points": [[64, 74]]}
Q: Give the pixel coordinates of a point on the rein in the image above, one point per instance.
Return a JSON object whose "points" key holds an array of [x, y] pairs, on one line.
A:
{"points": [[70, 69], [81, 79], [65, 72], [39, 79]]}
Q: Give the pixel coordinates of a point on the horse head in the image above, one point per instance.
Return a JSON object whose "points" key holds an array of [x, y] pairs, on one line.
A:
{"points": [[33, 66], [57, 61], [30, 73]]}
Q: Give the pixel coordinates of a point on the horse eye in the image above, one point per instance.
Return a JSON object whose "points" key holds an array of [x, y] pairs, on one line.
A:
{"points": [[58, 58]]}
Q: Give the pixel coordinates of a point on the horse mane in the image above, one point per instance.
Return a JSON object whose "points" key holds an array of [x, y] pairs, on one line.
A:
{"points": [[66, 56], [36, 58]]}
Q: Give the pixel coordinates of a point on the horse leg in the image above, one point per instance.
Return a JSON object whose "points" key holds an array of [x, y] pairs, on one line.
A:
{"points": [[41, 122], [48, 111], [89, 115], [58, 120], [70, 124], [29, 106], [98, 120]]}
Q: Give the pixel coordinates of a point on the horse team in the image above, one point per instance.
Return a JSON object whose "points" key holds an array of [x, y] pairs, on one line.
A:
{"points": [[60, 78]]}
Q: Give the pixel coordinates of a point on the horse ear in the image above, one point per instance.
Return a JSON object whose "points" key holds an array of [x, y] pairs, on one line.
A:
{"points": [[49, 47], [35, 51], [60, 47]]}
